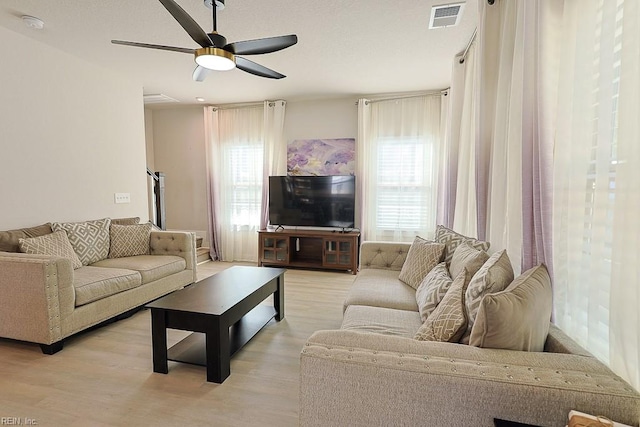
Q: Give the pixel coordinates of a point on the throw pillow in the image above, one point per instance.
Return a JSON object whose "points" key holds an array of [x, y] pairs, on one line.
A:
{"points": [[54, 244], [494, 276], [129, 240], [451, 240], [518, 317], [466, 256], [433, 289], [423, 255], [9, 240], [126, 221], [89, 239], [448, 321]]}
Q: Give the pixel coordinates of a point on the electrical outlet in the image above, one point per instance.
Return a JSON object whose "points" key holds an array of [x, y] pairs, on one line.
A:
{"points": [[122, 197]]}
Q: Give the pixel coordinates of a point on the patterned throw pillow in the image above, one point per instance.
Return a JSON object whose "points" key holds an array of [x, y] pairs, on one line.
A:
{"points": [[494, 276], [451, 240], [126, 221], [466, 256], [422, 257], [89, 239], [54, 244], [448, 321], [129, 240], [433, 289]]}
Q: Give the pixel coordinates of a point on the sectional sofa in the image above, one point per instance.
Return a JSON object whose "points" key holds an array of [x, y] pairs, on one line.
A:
{"points": [[373, 370], [50, 294]]}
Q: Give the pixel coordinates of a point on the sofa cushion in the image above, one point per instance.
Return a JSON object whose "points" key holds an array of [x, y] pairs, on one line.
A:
{"points": [[381, 288], [126, 221], [518, 317], [494, 276], [451, 240], [9, 240], [94, 283], [150, 267], [90, 239], [432, 289], [466, 256], [54, 244], [129, 240], [422, 257], [381, 320], [448, 321], [383, 255]]}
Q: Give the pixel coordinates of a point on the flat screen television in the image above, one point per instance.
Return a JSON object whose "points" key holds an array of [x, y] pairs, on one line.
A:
{"points": [[318, 201]]}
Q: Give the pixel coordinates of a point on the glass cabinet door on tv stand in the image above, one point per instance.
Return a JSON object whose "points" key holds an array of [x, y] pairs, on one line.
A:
{"points": [[338, 252], [274, 249]]}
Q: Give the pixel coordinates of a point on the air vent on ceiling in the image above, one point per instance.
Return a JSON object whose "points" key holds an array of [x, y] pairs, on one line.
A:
{"points": [[158, 99], [446, 15]]}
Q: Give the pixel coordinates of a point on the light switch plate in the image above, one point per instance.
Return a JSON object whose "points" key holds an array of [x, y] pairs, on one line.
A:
{"points": [[122, 197]]}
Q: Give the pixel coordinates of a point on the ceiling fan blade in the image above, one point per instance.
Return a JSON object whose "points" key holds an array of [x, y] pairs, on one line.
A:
{"points": [[201, 73], [187, 22], [257, 69], [259, 46], [155, 46]]}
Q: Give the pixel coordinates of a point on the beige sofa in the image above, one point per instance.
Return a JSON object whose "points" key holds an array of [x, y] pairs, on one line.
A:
{"points": [[44, 300], [372, 371]]}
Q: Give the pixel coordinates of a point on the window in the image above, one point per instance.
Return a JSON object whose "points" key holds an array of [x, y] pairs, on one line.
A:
{"points": [[245, 184], [237, 147], [587, 182], [600, 185], [403, 188], [398, 145]]}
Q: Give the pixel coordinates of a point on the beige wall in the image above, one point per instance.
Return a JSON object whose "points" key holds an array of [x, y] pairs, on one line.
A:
{"points": [[71, 135], [179, 151], [332, 118]]}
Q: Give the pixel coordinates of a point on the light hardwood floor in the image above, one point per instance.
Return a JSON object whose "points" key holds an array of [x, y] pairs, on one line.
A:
{"points": [[104, 377]]}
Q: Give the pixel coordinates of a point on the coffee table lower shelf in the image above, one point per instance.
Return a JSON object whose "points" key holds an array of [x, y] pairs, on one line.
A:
{"points": [[192, 349]]}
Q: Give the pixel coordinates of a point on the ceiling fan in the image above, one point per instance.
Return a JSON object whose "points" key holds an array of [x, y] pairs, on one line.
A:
{"points": [[215, 53]]}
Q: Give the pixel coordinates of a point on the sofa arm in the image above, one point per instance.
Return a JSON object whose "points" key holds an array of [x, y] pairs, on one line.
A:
{"points": [[383, 255], [36, 292], [178, 243], [354, 378]]}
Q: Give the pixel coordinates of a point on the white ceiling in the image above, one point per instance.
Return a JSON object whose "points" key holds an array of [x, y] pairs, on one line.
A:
{"points": [[345, 48]]}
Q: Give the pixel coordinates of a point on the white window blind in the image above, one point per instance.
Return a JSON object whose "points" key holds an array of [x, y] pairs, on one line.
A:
{"points": [[245, 184], [585, 182], [403, 189], [601, 177]]}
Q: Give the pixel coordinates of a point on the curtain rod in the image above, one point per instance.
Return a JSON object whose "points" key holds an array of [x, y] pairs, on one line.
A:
{"points": [[245, 105], [394, 98], [466, 50]]}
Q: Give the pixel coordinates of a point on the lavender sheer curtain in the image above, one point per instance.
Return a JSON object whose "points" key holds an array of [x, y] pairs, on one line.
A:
{"points": [[210, 123], [515, 124], [539, 134], [275, 151], [452, 105]]}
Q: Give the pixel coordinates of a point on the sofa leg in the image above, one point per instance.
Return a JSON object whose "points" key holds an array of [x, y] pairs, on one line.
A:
{"points": [[51, 348]]}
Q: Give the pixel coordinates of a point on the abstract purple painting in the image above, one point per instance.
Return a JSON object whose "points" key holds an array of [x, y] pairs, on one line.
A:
{"points": [[321, 157]]}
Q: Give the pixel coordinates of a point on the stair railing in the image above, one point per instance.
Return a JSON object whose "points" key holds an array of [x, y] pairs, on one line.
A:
{"points": [[157, 201]]}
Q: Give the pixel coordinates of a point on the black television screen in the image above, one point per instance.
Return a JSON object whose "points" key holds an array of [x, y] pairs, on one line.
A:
{"points": [[319, 201]]}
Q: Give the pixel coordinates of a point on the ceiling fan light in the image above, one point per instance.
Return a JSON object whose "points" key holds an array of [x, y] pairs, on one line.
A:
{"points": [[216, 59]]}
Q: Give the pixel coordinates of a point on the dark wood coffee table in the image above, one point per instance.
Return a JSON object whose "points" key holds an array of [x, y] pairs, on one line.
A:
{"points": [[224, 313]]}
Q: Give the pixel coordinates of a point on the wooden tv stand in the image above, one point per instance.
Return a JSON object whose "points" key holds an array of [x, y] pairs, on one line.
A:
{"points": [[332, 250]]}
